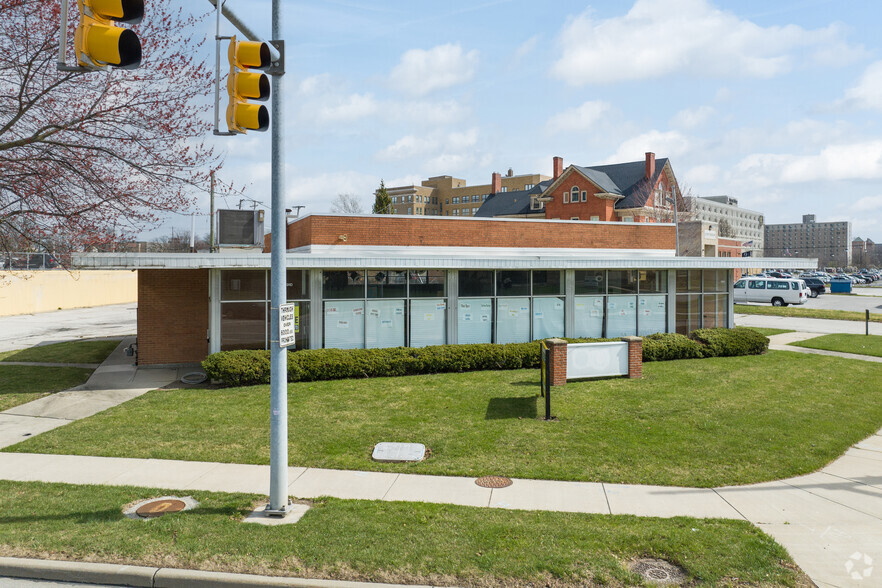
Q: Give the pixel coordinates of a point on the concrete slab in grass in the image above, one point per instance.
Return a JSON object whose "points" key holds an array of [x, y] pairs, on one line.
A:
{"points": [[440, 489], [162, 473], [665, 501], [341, 484], [781, 503], [551, 495], [17, 428], [824, 551]]}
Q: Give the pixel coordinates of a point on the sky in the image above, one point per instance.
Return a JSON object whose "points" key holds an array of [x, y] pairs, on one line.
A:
{"points": [[776, 104]]}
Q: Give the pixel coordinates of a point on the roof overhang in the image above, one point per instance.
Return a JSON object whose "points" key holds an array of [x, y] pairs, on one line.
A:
{"points": [[404, 258]]}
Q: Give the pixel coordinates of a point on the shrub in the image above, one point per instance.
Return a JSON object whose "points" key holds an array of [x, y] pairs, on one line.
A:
{"points": [[670, 346], [245, 368], [731, 342]]}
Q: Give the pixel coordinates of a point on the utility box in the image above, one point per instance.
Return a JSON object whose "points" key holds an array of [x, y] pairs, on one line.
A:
{"points": [[840, 287], [240, 228]]}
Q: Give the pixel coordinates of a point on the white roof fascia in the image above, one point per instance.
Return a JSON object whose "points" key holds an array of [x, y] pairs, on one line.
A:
{"points": [[134, 261]]}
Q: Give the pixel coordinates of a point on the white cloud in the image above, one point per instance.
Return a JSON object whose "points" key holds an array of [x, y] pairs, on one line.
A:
{"points": [[690, 118], [526, 47], [423, 71], [435, 144], [702, 174], [657, 38], [348, 108], [317, 192], [428, 113], [861, 161], [668, 144], [581, 118], [868, 91], [867, 204]]}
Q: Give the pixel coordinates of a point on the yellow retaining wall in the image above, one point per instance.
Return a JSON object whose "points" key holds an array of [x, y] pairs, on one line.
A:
{"points": [[28, 292]]}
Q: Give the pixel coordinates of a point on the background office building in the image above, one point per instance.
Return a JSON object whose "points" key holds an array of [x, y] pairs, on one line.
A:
{"points": [[732, 221], [830, 243]]}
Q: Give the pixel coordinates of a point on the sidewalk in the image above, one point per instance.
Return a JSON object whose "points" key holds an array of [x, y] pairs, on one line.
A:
{"points": [[113, 382], [823, 519]]}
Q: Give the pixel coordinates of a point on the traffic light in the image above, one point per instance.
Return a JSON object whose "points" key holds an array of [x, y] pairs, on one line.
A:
{"points": [[243, 85], [99, 42]]}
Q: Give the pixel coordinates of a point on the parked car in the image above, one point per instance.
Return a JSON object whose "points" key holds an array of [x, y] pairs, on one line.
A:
{"points": [[774, 291], [815, 286]]}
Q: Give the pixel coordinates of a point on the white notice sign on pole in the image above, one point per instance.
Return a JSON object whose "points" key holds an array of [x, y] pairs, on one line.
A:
{"points": [[287, 324]]}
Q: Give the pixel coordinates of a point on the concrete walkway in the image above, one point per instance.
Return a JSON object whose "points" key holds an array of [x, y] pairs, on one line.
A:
{"points": [[830, 521], [113, 382]]}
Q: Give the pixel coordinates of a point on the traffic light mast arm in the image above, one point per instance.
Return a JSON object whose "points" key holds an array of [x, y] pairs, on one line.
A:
{"points": [[275, 55]]}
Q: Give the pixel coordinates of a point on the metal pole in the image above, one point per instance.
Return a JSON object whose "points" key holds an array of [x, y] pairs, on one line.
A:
{"points": [[62, 46], [278, 354], [217, 61], [867, 322], [246, 30], [211, 247]]}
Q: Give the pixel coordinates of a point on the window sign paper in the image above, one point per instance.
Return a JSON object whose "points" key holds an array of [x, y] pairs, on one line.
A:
{"points": [[474, 327], [589, 316], [654, 318], [548, 318], [621, 318], [384, 325], [344, 329], [427, 324], [512, 325]]}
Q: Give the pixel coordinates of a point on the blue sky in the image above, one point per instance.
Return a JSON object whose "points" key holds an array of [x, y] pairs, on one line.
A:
{"points": [[774, 103]]}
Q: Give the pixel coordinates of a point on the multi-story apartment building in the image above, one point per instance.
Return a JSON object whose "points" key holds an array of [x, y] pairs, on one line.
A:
{"points": [[733, 222], [830, 243], [449, 196], [866, 253]]}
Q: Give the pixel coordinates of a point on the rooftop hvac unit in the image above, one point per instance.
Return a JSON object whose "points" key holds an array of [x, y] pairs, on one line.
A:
{"points": [[240, 228]]}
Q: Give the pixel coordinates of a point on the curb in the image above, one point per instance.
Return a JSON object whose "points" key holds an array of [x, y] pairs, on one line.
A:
{"points": [[150, 577]]}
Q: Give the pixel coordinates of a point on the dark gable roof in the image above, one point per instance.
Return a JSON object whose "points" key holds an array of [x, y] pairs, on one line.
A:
{"points": [[510, 203], [629, 178]]}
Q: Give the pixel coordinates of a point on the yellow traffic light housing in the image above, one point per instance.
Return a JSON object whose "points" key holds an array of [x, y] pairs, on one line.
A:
{"points": [[99, 42], [244, 85]]}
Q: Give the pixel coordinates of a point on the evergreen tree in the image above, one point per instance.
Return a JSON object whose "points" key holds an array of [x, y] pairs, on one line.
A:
{"points": [[382, 203]]}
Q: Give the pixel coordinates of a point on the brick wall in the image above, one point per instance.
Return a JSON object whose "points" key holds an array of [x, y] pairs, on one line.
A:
{"points": [[593, 206], [172, 316], [457, 232], [557, 361]]}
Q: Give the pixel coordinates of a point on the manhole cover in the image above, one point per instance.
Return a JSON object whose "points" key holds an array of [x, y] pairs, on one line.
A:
{"points": [[493, 482], [659, 571], [157, 508]]}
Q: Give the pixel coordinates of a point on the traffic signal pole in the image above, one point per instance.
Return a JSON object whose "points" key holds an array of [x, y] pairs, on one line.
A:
{"points": [[278, 355], [278, 503]]}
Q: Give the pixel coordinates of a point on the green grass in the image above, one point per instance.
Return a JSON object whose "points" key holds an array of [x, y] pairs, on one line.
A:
{"points": [[860, 344], [67, 352], [795, 312], [706, 422], [384, 541], [23, 383]]}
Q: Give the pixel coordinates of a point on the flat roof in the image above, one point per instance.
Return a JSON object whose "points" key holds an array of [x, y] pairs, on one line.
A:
{"points": [[438, 258]]}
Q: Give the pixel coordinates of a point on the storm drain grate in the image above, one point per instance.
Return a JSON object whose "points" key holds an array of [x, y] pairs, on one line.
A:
{"points": [[659, 571], [493, 482]]}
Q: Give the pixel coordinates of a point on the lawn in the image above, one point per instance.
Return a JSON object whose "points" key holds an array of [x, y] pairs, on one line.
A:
{"points": [[23, 383], [67, 352], [384, 541], [706, 422], [860, 344], [796, 312]]}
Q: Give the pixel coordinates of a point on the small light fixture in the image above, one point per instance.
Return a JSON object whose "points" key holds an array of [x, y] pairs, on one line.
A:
{"points": [[342, 237]]}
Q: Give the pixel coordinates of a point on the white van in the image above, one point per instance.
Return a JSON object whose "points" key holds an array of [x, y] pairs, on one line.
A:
{"points": [[776, 291]]}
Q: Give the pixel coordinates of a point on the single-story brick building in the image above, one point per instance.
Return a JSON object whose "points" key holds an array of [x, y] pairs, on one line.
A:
{"points": [[386, 281]]}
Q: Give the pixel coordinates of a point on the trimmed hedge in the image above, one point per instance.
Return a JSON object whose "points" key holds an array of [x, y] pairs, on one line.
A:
{"points": [[249, 367]]}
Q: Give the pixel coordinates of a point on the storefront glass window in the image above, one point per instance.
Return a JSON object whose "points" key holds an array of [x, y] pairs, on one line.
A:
{"points": [[344, 324], [428, 283], [386, 284], [589, 316], [622, 281], [653, 281], [590, 282], [475, 283], [548, 283], [474, 320], [343, 284], [548, 318], [621, 316], [428, 322], [513, 283], [243, 325], [513, 320], [243, 285]]}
